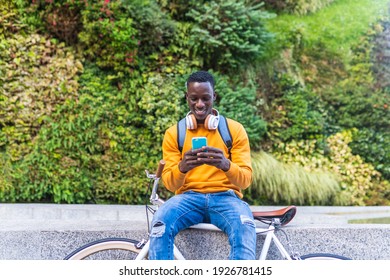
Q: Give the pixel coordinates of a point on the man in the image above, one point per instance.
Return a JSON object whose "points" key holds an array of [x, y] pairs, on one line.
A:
{"points": [[207, 181]]}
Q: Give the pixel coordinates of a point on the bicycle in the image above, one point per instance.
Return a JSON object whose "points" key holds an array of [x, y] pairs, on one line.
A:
{"points": [[138, 250]]}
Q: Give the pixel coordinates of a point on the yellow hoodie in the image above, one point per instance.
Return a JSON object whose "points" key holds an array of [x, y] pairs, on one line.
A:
{"points": [[206, 178]]}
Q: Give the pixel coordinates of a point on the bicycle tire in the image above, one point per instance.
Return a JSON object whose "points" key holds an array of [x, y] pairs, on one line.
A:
{"points": [[323, 256], [108, 248]]}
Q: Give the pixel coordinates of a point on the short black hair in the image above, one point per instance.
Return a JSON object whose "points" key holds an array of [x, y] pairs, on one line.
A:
{"points": [[201, 77]]}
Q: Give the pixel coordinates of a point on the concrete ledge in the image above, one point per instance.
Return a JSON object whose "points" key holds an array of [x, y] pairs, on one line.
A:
{"points": [[46, 231]]}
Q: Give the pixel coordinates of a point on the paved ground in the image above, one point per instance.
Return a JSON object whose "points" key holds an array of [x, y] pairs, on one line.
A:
{"points": [[51, 231], [60, 216]]}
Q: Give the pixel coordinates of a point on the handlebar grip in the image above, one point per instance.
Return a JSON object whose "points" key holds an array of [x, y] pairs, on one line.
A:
{"points": [[160, 168]]}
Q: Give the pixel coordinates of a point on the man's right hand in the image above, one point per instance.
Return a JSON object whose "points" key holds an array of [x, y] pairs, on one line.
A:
{"points": [[190, 160]]}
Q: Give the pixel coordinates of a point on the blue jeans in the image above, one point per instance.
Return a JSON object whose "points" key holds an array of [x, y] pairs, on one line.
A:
{"points": [[224, 209]]}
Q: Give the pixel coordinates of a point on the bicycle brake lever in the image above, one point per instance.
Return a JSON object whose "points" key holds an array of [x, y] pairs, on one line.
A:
{"points": [[150, 176]]}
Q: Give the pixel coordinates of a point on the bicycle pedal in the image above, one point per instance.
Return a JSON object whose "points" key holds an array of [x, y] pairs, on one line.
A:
{"points": [[295, 256]]}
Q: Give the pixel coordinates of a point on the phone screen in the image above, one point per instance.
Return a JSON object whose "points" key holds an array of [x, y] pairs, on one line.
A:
{"points": [[198, 142]]}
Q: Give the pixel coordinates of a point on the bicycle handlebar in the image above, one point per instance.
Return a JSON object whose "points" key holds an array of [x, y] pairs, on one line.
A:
{"points": [[154, 199], [160, 168]]}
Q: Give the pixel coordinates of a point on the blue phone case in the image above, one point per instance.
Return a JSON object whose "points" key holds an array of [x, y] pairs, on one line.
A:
{"points": [[198, 142]]}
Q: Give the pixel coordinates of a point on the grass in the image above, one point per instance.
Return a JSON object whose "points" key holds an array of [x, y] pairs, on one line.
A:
{"points": [[280, 183], [338, 26], [385, 220]]}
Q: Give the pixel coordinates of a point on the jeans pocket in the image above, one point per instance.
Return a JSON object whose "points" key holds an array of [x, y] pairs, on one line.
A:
{"points": [[233, 193]]}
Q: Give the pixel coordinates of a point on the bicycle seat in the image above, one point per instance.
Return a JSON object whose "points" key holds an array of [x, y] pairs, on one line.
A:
{"points": [[285, 215]]}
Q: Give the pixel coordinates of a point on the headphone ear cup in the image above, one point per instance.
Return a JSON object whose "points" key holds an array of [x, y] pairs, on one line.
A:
{"points": [[211, 122], [191, 122]]}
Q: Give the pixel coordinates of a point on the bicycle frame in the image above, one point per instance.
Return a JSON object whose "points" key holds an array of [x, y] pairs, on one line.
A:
{"points": [[269, 238]]}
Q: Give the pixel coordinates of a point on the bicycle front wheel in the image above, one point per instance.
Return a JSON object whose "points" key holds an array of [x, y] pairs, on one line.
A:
{"points": [[323, 256], [106, 249]]}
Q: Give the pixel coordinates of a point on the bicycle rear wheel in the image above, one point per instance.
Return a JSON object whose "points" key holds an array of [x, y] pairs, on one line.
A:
{"points": [[106, 249], [323, 256]]}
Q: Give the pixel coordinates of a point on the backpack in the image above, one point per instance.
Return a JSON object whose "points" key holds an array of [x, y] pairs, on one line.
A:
{"points": [[223, 130]]}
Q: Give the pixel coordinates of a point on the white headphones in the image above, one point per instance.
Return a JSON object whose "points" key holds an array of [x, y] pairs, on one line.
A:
{"points": [[211, 122]]}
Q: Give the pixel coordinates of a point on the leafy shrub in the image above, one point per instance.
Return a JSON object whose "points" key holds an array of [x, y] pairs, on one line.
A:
{"points": [[37, 74], [373, 146], [238, 102], [7, 191], [59, 18], [381, 67], [109, 37], [95, 147], [115, 34], [175, 58], [228, 34], [357, 102], [358, 180], [155, 29], [163, 42], [359, 107], [10, 22], [368, 105], [103, 30], [300, 113], [178, 9]]}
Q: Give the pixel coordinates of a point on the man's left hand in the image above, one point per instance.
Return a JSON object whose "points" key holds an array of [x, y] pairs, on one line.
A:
{"points": [[215, 157]]}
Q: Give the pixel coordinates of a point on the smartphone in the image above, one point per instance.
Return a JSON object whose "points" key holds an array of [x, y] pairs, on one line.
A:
{"points": [[198, 142]]}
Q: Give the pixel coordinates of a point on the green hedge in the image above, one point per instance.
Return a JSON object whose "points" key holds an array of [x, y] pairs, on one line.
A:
{"points": [[84, 105]]}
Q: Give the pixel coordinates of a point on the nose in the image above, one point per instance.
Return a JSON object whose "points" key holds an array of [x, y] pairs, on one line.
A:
{"points": [[199, 103]]}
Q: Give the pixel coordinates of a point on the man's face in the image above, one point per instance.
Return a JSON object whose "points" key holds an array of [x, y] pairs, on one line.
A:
{"points": [[200, 98]]}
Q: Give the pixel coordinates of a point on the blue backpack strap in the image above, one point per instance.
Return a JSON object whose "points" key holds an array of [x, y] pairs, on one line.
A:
{"points": [[181, 133], [224, 131]]}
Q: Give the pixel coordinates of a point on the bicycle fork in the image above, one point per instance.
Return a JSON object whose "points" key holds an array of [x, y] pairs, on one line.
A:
{"points": [[145, 250]]}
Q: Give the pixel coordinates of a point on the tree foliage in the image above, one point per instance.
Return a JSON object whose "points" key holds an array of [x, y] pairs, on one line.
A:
{"points": [[228, 34]]}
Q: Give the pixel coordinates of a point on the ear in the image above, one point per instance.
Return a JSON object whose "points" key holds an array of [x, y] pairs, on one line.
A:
{"points": [[215, 96]]}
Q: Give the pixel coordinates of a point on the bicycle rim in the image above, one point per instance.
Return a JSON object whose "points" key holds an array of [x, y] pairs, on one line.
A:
{"points": [[106, 249], [323, 256]]}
